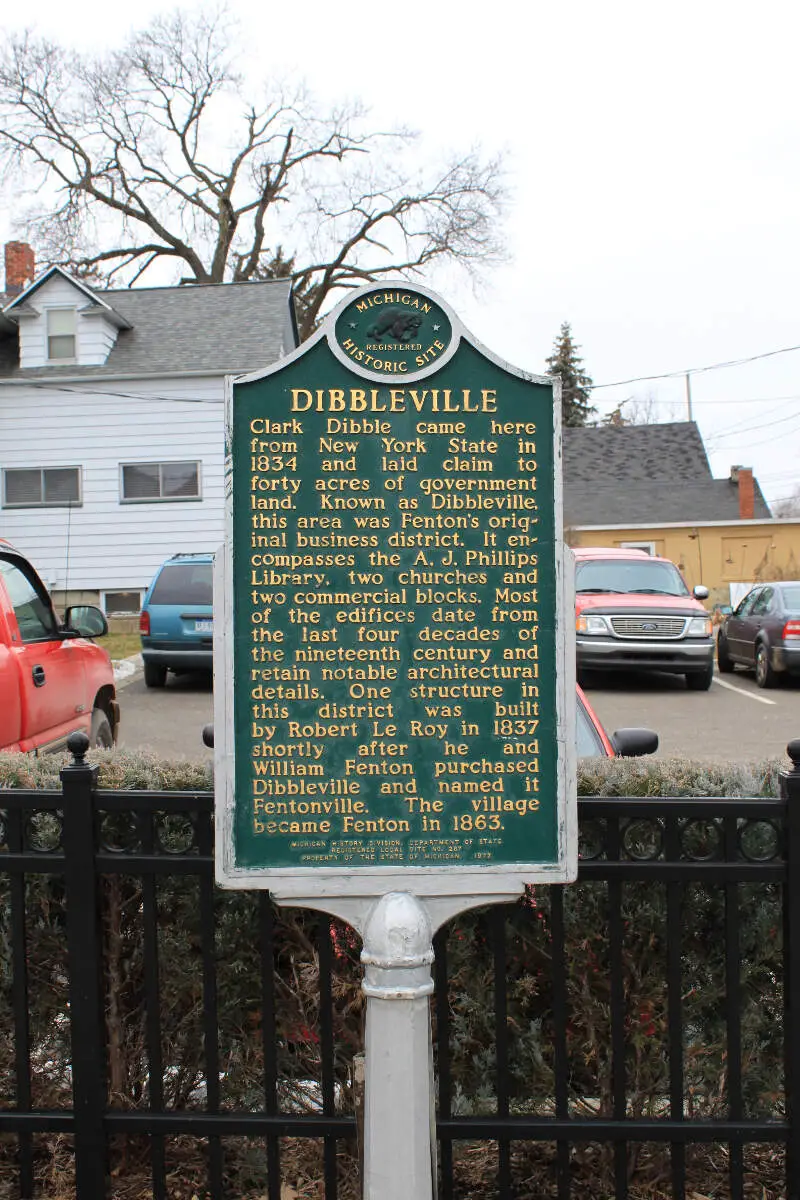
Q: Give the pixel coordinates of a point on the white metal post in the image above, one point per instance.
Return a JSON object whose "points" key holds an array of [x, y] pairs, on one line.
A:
{"points": [[398, 1117]]}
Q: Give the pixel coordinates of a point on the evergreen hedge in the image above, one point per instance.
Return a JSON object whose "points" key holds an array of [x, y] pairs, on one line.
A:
{"points": [[470, 958]]}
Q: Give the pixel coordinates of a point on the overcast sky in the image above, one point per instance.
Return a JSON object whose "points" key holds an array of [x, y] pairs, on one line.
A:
{"points": [[654, 174]]}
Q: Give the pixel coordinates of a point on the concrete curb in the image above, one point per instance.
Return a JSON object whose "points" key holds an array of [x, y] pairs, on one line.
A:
{"points": [[126, 669]]}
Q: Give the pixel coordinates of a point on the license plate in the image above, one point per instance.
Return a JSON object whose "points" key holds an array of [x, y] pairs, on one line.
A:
{"points": [[204, 626]]}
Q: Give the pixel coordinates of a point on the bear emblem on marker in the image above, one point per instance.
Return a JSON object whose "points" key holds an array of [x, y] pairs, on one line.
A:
{"points": [[395, 325]]}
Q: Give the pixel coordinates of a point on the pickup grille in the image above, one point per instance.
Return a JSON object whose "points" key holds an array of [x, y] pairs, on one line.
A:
{"points": [[649, 627]]}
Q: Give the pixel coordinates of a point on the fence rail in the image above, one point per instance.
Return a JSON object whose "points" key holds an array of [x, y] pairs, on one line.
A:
{"points": [[633, 1034]]}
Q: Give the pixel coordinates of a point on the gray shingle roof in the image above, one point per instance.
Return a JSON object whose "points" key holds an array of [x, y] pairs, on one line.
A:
{"points": [[215, 328], [627, 475], [637, 502], [673, 450]]}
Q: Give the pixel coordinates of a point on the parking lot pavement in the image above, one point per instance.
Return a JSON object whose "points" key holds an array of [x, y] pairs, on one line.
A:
{"points": [[733, 721], [168, 722]]}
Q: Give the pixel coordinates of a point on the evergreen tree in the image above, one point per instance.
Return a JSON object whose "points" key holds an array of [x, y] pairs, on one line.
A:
{"points": [[576, 407]]}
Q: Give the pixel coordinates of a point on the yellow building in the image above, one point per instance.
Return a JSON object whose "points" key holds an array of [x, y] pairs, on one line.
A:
{"points": [[727, 556], [650, 486]]}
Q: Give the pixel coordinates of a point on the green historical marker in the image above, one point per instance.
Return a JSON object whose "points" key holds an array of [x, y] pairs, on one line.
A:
{"points": [[394, 616]]}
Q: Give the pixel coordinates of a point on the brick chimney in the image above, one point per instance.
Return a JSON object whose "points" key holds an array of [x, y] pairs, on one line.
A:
{"points": [[20, 267], [743, 477]]}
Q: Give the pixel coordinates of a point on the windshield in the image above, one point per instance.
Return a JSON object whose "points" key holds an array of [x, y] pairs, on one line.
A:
{"points": [[623, 575], [185, 583]]}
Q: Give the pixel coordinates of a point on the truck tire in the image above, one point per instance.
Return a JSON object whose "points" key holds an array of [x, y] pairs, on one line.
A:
{"points": [[100, 735], [700, 681]]}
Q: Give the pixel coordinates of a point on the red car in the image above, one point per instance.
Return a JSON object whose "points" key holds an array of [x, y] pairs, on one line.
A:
{"points": [[53, 680], [593, 741]]}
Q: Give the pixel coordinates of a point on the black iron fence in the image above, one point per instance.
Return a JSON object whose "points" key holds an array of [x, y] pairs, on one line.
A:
{"points": [[634, 1034]]}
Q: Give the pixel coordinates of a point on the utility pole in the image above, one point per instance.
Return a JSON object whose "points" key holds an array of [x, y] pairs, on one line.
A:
{"points": [[689, 396]]}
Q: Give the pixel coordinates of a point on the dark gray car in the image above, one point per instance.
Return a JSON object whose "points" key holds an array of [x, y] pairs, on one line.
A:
{"points": [[763, 633]]}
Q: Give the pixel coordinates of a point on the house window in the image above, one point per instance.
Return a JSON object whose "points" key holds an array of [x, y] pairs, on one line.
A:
{"points": [[45, 487], [118, 604], [648, 547], [60, 334], [160, 481]]}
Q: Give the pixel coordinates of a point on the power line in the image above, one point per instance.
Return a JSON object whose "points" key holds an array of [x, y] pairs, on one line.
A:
{"points": [[674, 402], [734, 362], [742, 428], [781, 475], [764, 442]]}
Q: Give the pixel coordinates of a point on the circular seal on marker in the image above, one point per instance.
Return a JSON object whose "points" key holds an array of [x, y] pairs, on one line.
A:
{"points": [[393, 333]]}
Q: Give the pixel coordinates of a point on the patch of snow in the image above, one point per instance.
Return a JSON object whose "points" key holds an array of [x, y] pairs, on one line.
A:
{"points": [[125, 667]]}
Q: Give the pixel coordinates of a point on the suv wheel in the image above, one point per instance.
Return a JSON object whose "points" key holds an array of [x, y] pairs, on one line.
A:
{"points": [[765, 676], [155, 676], [700, 681]]}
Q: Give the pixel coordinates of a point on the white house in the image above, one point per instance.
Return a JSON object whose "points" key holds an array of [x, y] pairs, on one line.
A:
{"points": [[112, 420]]}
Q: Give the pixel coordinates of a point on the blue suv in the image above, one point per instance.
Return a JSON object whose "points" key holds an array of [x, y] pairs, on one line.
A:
{"points": [[176, 623]]}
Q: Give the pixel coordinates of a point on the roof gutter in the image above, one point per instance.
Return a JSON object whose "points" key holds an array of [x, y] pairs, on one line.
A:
{"points": [[686, 524]]}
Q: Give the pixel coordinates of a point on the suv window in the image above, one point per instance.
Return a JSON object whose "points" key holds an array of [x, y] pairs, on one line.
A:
{"points": [[183, 583], [34, 615], [621, 575]]}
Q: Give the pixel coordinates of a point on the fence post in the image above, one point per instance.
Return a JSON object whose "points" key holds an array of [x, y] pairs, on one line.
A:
{"points": [[790, 792], [399, 1127], [84, 948]]}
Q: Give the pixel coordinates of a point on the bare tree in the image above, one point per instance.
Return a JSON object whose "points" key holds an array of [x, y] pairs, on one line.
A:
{"points": [[150, 153], [641, 410], [788, 506]]}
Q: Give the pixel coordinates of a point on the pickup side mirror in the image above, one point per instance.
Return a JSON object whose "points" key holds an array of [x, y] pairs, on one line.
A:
{"points": [[85, 620], [700, 592], [632, 743]]}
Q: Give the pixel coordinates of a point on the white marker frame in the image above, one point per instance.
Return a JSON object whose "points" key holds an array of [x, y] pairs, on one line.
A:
{"points": [[349, 890]]}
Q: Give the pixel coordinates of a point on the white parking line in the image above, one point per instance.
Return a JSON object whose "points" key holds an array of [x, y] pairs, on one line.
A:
{"points": [[750, 695]]}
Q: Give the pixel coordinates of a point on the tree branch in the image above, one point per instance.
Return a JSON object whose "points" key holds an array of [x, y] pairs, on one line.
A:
{"points": [[129, 145]]}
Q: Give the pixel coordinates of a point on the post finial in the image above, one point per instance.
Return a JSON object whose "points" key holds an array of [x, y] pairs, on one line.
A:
{"points": [[78, 744], [793, 750]]}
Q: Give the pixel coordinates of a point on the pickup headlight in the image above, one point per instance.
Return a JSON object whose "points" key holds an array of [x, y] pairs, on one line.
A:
{"points": [[590, 623], [699, 627]]}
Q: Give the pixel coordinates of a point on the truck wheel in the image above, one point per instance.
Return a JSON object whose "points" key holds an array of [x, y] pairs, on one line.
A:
{"points": [[724, 660], [765, 676], [100, 735], [700, 681], [154, 675]]}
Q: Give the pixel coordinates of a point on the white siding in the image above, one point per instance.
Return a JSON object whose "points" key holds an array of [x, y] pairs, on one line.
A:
{"points": [[96, 338], [94, 335], [104, 544]]}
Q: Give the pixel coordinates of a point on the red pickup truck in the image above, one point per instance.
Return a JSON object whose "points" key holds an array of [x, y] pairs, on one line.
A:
{"points": [[53, 681], [633, 611]]}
